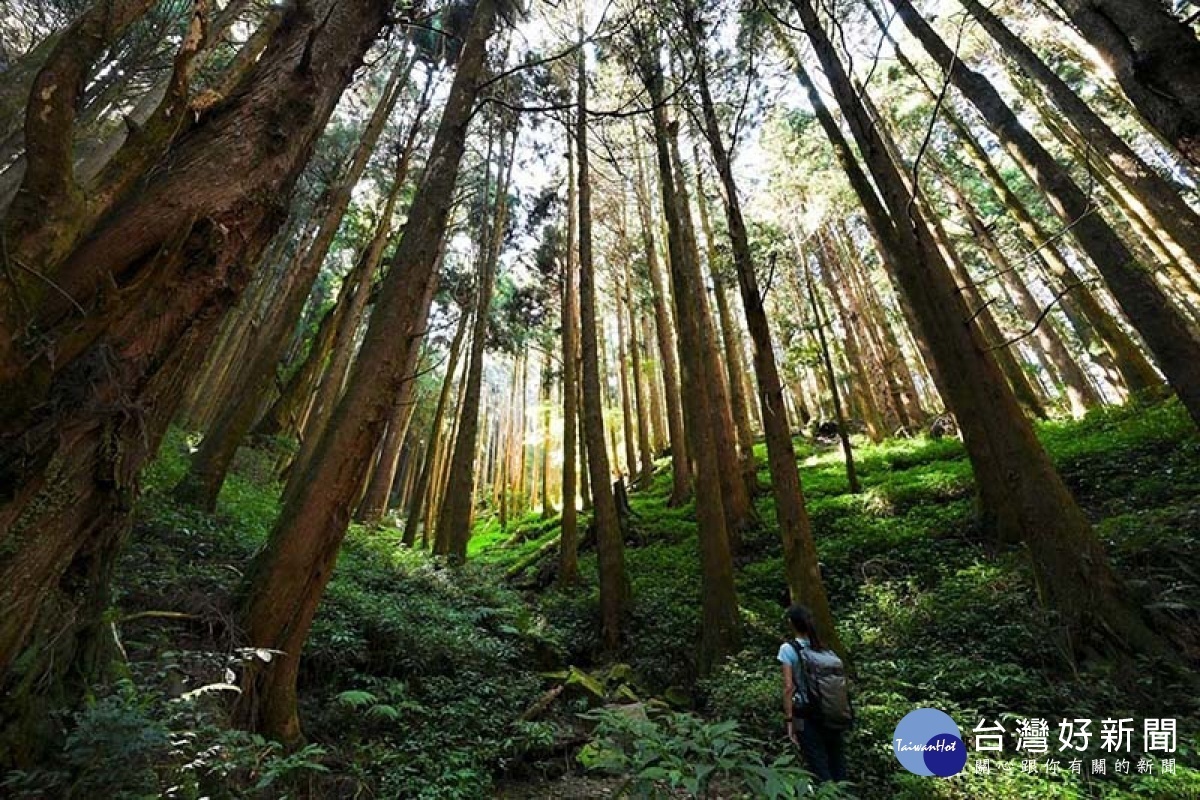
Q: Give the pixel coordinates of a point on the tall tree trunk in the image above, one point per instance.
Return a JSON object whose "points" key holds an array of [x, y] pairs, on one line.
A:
{"points": [[183, 247], [568, 560], [819, 322], [720, 626], [1080, 395], [735, 496], [285, 583], [1156, 59], [646, 471], [731, 345], [627, 408], [658, 433], [801, 566], [857, 359], [681, 468], [610, 544], [1167, 334], [1169, 211], [206, 474], [454, 520], [379, 488], [545, 411], [421, 488], [1127, 358], [1022, 495]]}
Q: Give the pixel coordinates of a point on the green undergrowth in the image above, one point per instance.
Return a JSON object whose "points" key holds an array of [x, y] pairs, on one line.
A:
{"points": [[413, 678], [416, 676], [932, 614]]}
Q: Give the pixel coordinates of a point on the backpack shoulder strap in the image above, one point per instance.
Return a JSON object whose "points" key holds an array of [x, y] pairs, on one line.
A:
{"points": [[800, 674]]}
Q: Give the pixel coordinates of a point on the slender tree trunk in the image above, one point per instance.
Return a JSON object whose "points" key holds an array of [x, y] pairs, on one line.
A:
{"points": [[1022, 495], [627, 421], [801, 566], [646, 471], [610, 545], [379, 488], [1167, 334], [1127, 358], [681, 469], [819, 322], [1080, 395], [421, 488], [658, 433], [568, 561], [454, 520], [1168, 211], [546, 412], [285, 583]]}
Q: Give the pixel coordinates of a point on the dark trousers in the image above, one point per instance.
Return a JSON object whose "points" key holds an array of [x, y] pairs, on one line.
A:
{"points": [[824, 751]]}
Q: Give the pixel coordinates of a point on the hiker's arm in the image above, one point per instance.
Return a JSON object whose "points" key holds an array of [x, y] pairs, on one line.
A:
{"points": [[789, 689]]}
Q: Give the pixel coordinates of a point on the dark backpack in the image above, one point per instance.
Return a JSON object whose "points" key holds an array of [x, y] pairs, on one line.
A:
{"points": [[821, 691]]}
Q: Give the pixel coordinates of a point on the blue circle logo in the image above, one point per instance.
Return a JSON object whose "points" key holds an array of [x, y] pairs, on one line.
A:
{"points": [[928, 742]]}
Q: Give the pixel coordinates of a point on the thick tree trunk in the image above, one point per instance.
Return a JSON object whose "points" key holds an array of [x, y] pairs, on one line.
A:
{"points": [[1022, 495], [177, 252], [1156, 59], [287, 579], [1167, 334]]}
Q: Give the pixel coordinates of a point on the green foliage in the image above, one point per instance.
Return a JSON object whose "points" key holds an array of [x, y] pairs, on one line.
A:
{"points": [[662, 753], [932, 613]]}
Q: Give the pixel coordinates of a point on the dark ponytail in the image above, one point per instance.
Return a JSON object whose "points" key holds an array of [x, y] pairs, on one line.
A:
{"points": [[802, 622]]}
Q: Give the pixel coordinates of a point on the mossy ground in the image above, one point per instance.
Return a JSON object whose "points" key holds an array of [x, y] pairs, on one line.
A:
{"points": [[414, 672], [932, 614]]}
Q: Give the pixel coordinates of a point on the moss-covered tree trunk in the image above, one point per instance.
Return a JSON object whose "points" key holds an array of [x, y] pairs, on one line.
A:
{"points": [[179, 251]]}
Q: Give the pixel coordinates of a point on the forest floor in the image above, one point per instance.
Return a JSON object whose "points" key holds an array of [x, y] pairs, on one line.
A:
{"points": [[416, 676]]}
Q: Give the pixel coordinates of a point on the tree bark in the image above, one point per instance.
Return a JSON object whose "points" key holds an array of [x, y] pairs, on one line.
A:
{"points": [[568, 559], [720, 630], [179, 253], [1022, 495], [1167, 334], [287, 579], [421, 488], [801, 566], [610, 545], [454, 520], [1156, 59], [681, 469]]}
